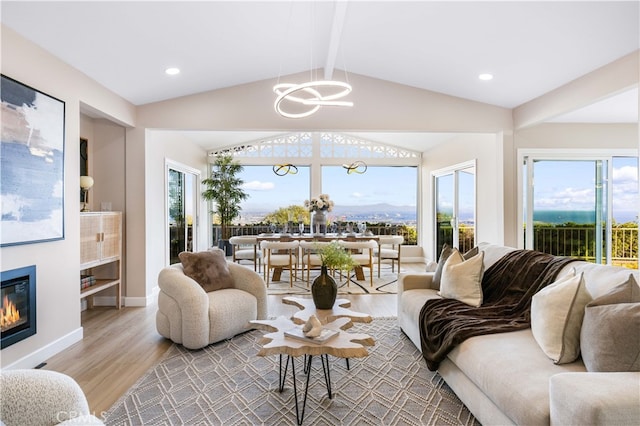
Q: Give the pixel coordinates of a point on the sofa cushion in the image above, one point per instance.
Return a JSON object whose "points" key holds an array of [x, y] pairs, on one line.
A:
{"points": [[556, 317], [444, 255], [513, 371], [462, 279], [609, 339], [207, 268]]}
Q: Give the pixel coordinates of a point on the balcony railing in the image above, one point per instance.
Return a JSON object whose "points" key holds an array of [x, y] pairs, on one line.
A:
{"points": [[408, 232], [580, 242], [572, 241]]}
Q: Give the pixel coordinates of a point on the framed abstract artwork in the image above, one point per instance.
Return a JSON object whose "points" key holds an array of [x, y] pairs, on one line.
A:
{"points": [[31, 165]]}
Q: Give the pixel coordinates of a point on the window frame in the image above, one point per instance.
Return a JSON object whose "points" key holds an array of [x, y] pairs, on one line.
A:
{"points": [[526, 156]]}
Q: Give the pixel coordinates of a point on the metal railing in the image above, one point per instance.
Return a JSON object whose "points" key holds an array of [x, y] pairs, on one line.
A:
{"points": [[573, 241], [580, 242], [408, 232]]}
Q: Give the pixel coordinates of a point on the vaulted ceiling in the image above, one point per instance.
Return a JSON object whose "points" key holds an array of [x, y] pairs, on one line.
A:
{"points": [[530, 48]]}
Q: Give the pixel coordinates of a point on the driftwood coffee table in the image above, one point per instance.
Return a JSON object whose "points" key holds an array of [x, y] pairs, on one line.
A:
{"points": [[343, 345], [339, 310]]}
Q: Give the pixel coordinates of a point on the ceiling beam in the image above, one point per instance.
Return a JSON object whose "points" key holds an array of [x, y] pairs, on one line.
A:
{"points": [[336, 31]]}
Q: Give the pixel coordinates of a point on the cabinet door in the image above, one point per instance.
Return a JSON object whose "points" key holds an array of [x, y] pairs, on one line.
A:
{"points": [[89, 238], [110, 236]]}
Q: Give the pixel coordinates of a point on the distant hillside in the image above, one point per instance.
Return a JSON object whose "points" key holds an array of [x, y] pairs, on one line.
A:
{"points": [[380, 208], [340, 210]]}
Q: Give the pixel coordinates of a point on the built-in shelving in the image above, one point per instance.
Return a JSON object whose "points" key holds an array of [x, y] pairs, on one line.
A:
{"points": [[100, 253]]}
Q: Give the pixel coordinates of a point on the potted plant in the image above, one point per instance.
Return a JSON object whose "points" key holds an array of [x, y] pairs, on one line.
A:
{"points": [[224, 188], [324, 288]]}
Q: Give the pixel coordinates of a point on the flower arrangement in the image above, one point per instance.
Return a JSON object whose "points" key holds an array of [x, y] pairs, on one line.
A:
{"points": [[321, 202]]}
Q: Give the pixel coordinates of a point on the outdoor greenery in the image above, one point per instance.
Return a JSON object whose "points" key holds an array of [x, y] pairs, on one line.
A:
{"points": [[579, 240], [292, 213], [335, 257], [224, 188]]}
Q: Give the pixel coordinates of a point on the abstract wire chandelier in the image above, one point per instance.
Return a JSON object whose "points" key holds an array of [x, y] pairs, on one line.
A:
{"points": [[302, 100], [358, 167], [285, 169], [314, 99]]}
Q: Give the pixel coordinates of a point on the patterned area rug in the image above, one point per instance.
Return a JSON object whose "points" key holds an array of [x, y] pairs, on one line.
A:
{"points": [[227, 384]]}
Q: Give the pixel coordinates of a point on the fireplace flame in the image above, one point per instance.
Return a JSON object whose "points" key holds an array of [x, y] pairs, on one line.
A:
{"points": [[9, 314]]}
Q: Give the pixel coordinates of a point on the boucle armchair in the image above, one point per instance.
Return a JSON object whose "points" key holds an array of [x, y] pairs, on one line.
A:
{"points": [[42, 398], [194, 318]]}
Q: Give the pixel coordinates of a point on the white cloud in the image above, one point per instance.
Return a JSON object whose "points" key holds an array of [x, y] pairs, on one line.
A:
{"points": [[625, 174], [565, 199], [256, 185]]}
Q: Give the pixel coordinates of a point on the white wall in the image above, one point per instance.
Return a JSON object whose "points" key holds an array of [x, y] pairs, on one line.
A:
{"points": [[485, 149], [159, 148], [578, 136], [57, 263]]}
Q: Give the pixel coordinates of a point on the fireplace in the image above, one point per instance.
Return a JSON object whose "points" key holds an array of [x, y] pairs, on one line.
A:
{"points": [[18, 297]]}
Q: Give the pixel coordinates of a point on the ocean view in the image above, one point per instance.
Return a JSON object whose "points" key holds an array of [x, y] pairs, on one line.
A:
{"points": [[407, 215], [558, 217]]}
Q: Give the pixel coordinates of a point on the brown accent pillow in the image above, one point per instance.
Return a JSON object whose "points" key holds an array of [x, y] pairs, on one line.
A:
{"points": [[444, 255], [207, 268], [609, 339]]}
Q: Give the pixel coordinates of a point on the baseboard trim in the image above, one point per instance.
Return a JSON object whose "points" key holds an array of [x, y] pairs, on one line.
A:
{"points": [[46, 352], [150, 299]]}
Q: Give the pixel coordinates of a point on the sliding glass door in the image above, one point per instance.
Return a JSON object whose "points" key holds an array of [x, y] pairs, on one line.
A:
{"points": [[182, 210], [583, 207], [455, 207]]}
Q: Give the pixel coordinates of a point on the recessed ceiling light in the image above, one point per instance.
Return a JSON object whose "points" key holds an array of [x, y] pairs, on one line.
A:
{"points": [[485, 77], [172, 71]]}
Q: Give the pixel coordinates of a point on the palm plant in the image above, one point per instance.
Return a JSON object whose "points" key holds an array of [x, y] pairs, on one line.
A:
{"points": [[224, 188]]}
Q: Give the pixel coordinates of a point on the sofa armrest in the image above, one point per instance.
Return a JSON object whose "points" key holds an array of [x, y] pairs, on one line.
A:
{"points": [[415, 280], [250, 281], [193, 303], [41, 397], [595, 398]]}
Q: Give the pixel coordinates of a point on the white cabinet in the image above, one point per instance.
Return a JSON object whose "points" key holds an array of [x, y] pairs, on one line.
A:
{"points": [[100, 253]]}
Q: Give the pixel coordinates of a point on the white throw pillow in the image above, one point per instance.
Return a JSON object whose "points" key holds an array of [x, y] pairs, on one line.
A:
{"points": [[556, 317], [462, 279]]}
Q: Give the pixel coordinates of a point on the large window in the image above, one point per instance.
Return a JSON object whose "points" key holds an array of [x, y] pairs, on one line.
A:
{"points": [[584, 207], [269, 192], [383, 194]]}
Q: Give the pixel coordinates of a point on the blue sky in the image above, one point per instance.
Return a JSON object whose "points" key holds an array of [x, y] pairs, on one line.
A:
{"points": [[570, 185], [560, 185], [393, 185]]}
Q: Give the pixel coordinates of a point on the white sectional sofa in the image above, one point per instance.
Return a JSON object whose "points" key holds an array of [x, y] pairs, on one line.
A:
{"points": [[506, 378]]}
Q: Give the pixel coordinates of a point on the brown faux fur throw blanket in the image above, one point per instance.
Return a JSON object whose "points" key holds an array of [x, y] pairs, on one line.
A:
{"points": [[508, 286]]}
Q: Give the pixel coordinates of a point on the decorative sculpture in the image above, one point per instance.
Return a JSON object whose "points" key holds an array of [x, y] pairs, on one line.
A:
{"points": [[313, 327]]}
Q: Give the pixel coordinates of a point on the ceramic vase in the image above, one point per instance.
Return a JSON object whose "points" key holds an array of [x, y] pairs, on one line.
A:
{"points": [[319, 222], [324, 290]]}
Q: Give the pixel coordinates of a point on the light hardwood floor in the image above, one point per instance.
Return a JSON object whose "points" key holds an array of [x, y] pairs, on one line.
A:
{"points": [[119, 346]]}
